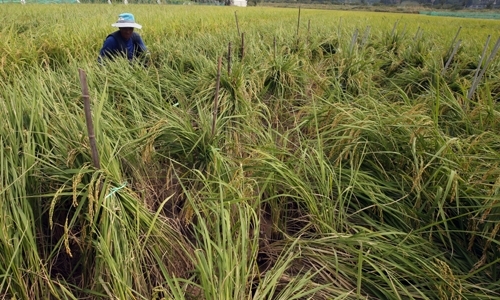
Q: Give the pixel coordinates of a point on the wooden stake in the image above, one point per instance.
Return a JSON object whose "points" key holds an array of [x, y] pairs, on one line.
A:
{"points": [[479, 65], [308, 31], [353, 40], [88, 119], [483, 70], [451, 56], [298, 23], [365, 36], [229, 58], [242, 49], [454, 39], [216, 99], [237, 25]]}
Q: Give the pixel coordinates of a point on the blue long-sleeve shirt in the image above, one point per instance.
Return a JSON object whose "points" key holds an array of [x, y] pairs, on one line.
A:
{"points": [[113, 47]]}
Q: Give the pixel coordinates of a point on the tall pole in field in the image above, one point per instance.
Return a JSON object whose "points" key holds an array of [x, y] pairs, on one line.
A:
{"points": [[298, 22], [454, 39], [229, 58], [88, 119], [237, 25], [478, 77], [455, 49], [353, 40], [216, 99], [242, 48]]}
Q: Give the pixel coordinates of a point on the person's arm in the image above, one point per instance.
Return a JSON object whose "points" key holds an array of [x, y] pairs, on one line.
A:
{"points": [[142, 51], [141, 45], [109, 48]]}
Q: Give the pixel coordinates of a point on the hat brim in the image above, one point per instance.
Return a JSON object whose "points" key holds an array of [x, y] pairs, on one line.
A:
{"points": [[128, 25]]}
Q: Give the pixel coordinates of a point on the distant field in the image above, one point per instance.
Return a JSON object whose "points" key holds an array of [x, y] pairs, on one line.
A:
{"points": [[334, 155], [463, 14], [82, 28]]}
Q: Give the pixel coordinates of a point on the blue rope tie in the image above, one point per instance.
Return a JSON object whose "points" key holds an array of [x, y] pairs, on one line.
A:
{"points": [[116, 189]]}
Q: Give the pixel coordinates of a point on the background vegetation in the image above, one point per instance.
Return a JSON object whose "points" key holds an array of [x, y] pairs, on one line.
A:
{"points": [[408, 6], [342, 160]]}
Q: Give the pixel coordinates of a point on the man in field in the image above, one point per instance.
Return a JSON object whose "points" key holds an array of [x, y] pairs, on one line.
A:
{"points": [[123, 42]]}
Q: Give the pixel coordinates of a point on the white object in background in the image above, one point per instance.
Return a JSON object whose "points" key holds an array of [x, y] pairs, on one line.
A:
{"points": [[125, 1], [242, 3], [23, 1]]}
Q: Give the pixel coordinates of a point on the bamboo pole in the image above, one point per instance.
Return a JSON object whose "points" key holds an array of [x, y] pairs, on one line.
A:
{"points": [[309, 31], [229, 58], [242, 48], [454, 39], [455, 49], [353, 40], [483, 70], [481, 59], [298, 22], [88, 119], [365, 36], [216, 99], [237, 25]]}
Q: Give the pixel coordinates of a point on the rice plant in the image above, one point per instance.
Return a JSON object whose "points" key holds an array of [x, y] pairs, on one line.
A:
{"points": [[341, 160]]}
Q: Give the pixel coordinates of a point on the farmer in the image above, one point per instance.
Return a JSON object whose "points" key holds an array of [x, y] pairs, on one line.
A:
{"points": [[123, 42]]}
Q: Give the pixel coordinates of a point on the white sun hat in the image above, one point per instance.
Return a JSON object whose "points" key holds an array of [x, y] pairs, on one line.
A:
{"points": [[126, 20]]}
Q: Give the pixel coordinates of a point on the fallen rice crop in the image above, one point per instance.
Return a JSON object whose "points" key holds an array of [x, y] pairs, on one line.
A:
{"points": [[343, 161]]}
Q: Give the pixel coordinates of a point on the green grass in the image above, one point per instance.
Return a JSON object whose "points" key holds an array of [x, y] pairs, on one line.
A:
{"points": [[340, 165]]}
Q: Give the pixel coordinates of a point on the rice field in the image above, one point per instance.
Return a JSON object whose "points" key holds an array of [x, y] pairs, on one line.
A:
{"points": [[333, 155]]}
